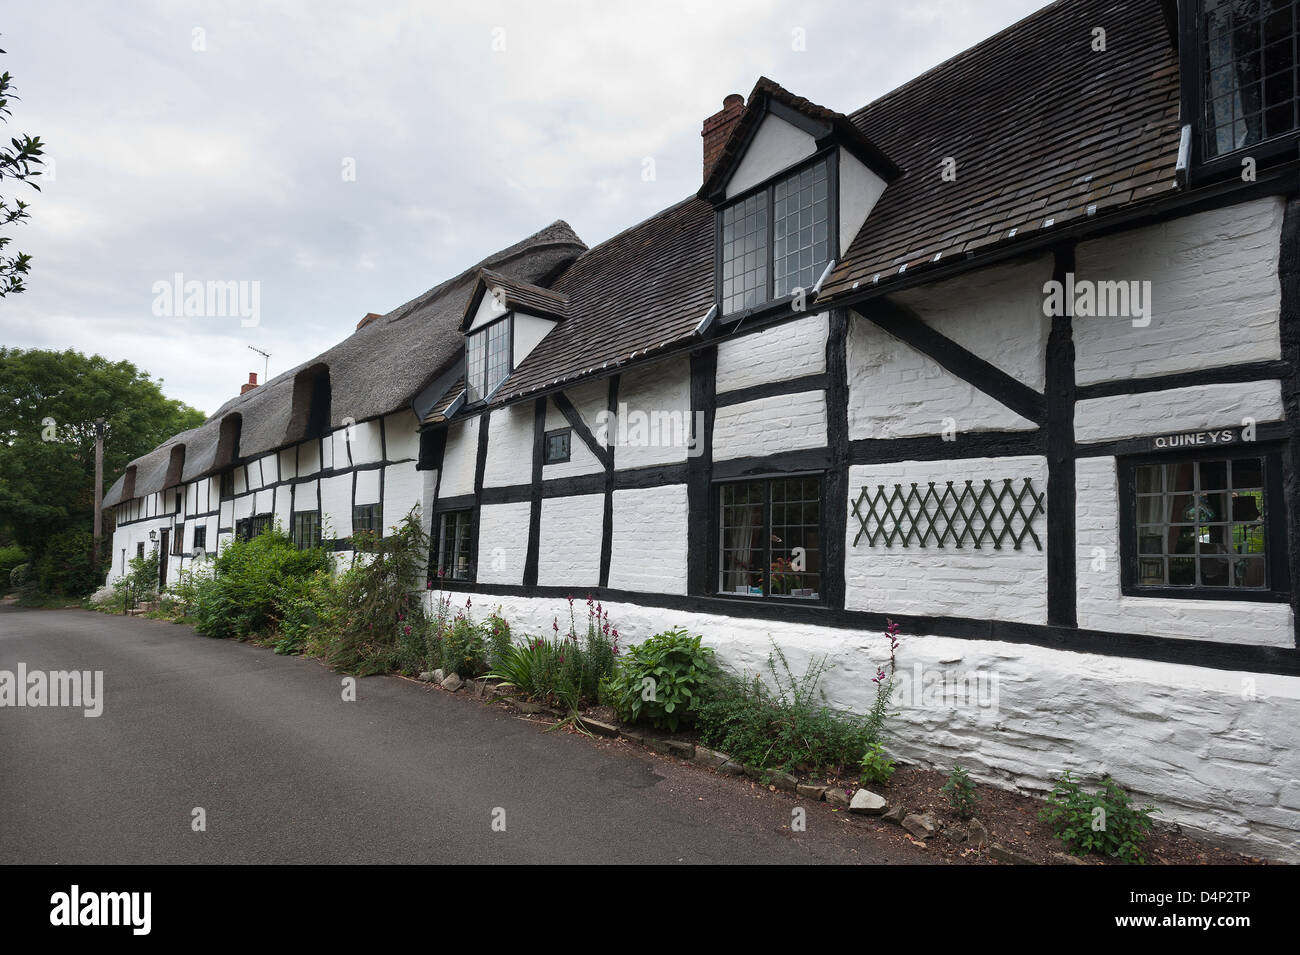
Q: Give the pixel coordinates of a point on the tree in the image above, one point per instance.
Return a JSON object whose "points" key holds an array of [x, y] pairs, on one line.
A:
{"points": [[48, 405], [18, 161]]}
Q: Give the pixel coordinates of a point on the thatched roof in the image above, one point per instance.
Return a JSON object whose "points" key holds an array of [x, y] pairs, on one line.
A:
{"points": [[375, 371]]}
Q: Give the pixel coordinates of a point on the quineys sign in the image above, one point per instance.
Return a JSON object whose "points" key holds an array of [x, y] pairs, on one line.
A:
{"points": [[1201, 439]]}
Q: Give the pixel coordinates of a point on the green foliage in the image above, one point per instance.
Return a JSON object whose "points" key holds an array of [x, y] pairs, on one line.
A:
{"points": [[960, 790], [786, 726], [536, 669], [563, 671], [252, 581], [48, 405], [464, 651], [377, 621], [662, 680], [498, 637], [19, 574], [1105, 822], [10, 557], [20, 161], [876, 765], [138, 585], [67, 565], [305, 606]]}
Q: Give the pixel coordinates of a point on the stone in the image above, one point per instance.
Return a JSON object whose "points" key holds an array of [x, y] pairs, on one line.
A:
{"points": [[732, 768], [452, 682], [837, 798], [956, 834], [867, 803], [978, 835], [710, 758], [658, 744], [426, 676], [785, 782], [681, 749], [596, 726], [921, 825], [1003, 854], [1064, 858], [896, 815], [632, 735], [812, 791], [524, 706], [439, 675]]}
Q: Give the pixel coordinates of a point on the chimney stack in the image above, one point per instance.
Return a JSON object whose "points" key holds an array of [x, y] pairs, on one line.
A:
{"points": [[252, 383], [370, 317], [718, 127]]}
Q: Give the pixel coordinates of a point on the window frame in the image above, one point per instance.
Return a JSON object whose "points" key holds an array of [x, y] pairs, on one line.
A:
{"points": [[483, 330], [200, 528], [178, 540], [297, 538], [377, 509], [568, 446], [828, 153], [471, 574], [1276, 564], [1225, 165], [715, 555]]}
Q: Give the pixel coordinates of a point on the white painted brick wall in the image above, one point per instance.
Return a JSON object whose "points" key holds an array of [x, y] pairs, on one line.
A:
{"points": [[287, 466], [283, 504], [367, 491], [459, 459], [1005, 584], [789, 350], [1181, 737], [662, 393], [503, 543], [306, 497], [1179, 409], [336, 506], [1214, 290], [510, 446], [770, 425], [896, 392], [1102, 607], [569, 546], [995, 313], [308, 458], [366, 445], [588, 399], [403, 490], [648, 550], [401, 436]]}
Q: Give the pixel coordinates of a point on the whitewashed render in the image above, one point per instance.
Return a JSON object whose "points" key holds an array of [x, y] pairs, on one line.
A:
{"points": [[1025, 492]]}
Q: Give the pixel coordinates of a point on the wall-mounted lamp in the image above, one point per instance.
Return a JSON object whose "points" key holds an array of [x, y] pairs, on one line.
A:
{"points": [[153, 536]]}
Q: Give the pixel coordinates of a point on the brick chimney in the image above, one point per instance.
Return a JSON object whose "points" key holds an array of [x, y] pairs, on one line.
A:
{"points": [[718, 127], [252, 383], [370, 317]]}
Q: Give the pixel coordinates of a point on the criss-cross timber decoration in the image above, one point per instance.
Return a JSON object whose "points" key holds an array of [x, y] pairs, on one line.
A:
{"points": [[960, 515]]}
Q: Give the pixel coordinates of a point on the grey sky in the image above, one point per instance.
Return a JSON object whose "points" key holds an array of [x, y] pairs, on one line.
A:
{"points": [[226, 163]]}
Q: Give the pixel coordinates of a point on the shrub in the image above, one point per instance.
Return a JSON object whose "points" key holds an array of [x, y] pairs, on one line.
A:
{"points": [[11, 557], [877, 767], [305, 606], [498, 637], [536, 669], [67, 564], [19, 574], [662, 680], [1104, 823], [563, 671], [464, 651], [785, 727], [138, 584], [960, 790], [244, 596]]}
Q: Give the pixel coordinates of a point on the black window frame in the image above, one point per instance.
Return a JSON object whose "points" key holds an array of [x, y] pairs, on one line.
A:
{"points": [[567, 434], [1202, 168], [830, 155], [471, 572], [315, 527], [715, 542], [200, 537], [226, 485], [483, 330], [375, 523], [178, 540], [1276, 562]]}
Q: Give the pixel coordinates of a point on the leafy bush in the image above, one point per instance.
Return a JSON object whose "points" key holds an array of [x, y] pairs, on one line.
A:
{"points": [[498, 637], [536, 669], [786, 726], [464, 651], [11, 557], [662, 680], [877, 767], [251, 579], [305, 606], [137, 585], [19, 574], [377, 621], [1104, 823], [67, 564], [563, 671], [960, 790]]}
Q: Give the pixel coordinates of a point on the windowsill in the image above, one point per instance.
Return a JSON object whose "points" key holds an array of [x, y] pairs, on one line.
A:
{"points": [[780, 306], [1238, 594]]}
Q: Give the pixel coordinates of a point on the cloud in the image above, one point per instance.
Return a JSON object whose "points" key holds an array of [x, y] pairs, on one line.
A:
{"points": [[469, 125]]}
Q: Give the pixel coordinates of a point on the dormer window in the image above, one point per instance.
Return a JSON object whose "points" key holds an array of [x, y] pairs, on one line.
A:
{"points": [[487, 359], [1241, 56], [795, 211]]}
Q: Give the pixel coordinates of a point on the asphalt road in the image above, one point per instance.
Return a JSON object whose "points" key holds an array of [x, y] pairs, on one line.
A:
{"points": [[287, 771]]}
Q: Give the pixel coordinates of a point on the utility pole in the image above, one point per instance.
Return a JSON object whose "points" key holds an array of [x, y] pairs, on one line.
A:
{"points": [[99, 494]]}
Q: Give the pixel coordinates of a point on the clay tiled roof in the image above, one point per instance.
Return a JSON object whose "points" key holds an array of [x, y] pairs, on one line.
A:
{"points": [[515, 294], [1042, 129]]}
